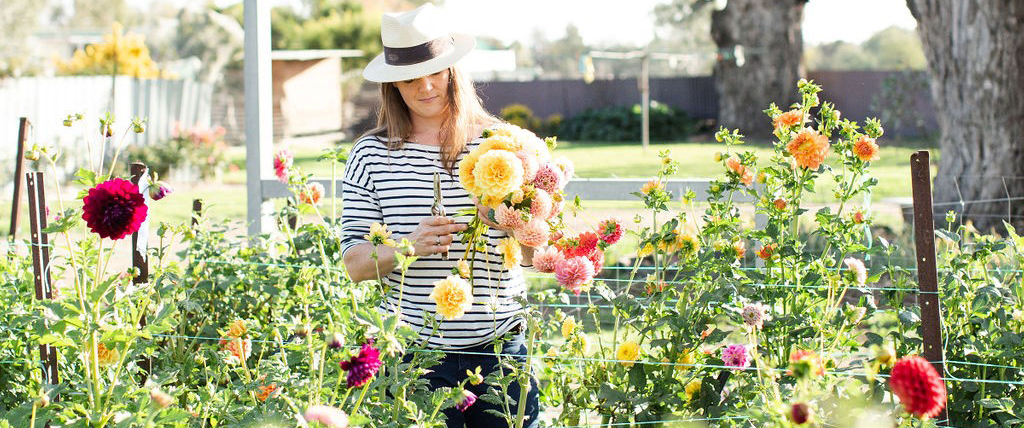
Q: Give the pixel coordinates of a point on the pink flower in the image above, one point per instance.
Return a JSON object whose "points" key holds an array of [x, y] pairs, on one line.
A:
{"points": [[736, 356], [540, 206], [549, 178], [361, 368], [327, 415], [754, 315], [567, 168], [610, 230], [508, 217], [313, 193], [858, 272], [467, 399], [158, 190], [282, 162], [573, 273], [596, 259], [530, 164], [114, 209], [546, 259], [533, 233]]}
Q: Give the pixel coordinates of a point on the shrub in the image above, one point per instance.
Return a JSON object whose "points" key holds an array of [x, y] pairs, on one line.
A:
{"points": [[623, 123], [203, 148]]}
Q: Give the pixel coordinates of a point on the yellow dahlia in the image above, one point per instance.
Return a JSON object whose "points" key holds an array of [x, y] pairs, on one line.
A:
{"points": [[107, 356], [568, 326], [510, 251], [499, 142], [463, 268], [466, 166], [692, 388], [498, 173], [453, 297], [686, 361], [237, 329], [627, 353], [379, 235]]}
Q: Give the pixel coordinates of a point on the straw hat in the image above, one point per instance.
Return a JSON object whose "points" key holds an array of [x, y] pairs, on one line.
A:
{"points": [[416, 43]]}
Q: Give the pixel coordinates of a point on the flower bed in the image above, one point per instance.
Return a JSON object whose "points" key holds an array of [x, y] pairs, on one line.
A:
{"points": [[272, 332]]}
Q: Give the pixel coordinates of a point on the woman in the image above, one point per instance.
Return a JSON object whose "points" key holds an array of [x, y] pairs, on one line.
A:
{"points": [[428, 114]]}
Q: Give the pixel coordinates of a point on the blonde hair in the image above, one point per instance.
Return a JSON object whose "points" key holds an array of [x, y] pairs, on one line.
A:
{"points": [[464, 113]]}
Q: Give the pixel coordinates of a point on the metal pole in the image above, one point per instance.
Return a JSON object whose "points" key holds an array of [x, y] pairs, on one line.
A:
{"points": [[197, 211], [41, 264], [927, 277], [645, 100], [258, 119], [140, 261], [18, 166]]}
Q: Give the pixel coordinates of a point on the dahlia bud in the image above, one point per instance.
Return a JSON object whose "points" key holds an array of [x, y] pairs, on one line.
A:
{"points": [[475, 377], [33, 155], [68, 122], [885, 355], [335, 340], [780, 204], [800, 413], [160, 398], [718, 156], [43, 400], [466, 400], [302, 330], [159, 190]]}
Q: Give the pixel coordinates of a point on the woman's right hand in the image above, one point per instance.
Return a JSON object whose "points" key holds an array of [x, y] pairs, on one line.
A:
{"points": [[434, 234]]}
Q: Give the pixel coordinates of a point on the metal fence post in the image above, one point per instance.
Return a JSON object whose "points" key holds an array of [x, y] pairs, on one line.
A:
{"points": [[41, 264]]}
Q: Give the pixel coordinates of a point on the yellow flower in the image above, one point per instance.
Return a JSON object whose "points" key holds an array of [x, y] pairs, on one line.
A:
{"points": [[498, 173], [651, 186], [453, 297], [688, 359], [550, 356], [581, 344], [509, 249], [568, 326], [466, 166], [692, 388], [237, 329], [885, 355], [646, 250], [627, 353], [379, 235], [688, 244], [107, 356], [463, 268], [499, 142], [491, 201]]}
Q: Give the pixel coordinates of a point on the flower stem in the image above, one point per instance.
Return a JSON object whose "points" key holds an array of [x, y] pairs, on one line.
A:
{"points": [[355, 410]]}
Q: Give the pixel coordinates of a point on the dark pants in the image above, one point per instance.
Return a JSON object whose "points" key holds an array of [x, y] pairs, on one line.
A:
{"points": [[452, 370]]}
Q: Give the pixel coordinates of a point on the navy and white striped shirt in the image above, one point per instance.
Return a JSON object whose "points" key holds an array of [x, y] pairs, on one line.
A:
{"points": [[396, 188]]}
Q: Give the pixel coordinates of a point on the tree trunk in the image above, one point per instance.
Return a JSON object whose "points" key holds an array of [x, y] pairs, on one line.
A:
{"points": [[975, 51], [769, 32]]}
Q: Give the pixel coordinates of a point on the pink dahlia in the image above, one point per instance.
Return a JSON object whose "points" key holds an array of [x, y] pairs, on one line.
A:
{"points": [[114, 209], [567, 168], [530, 164], [467, 399], [509, 217], [533, 233], [282, 162], [361, 368], [540, 206], [327, 415], [610, 230], [736, 356], [919, 387], [596, 259], [157, 191], [573, 273], [549, 177], [547, 259], [857, 272]]}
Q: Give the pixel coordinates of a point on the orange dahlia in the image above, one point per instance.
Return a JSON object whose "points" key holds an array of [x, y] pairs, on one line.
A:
{"points": [[789, 119], [866, 149], [809, 148]]}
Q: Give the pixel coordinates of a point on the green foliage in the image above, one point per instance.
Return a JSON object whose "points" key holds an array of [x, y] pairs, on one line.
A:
{"points": [[623, 123], [893, 48], [520, 115], [201, 148]]}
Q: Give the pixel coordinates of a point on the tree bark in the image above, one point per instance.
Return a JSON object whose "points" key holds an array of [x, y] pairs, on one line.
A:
{"points": [[770, 34], [975, 52]]}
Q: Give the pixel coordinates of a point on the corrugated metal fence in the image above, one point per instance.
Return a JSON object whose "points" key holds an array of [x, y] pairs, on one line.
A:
{"points": [[46, 101]]}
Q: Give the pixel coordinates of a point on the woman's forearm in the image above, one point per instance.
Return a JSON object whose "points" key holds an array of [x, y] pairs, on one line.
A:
{"points": [[361, 266]]}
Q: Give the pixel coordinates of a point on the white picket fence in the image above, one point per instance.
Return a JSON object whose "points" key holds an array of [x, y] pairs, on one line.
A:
{"points": [[46, 101]]}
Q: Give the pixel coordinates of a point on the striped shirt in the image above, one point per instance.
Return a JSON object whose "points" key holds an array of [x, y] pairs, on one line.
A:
{"points": [[396, 188]]}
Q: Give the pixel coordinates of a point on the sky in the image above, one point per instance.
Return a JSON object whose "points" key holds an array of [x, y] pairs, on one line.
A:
{"points": [[631, 21]]}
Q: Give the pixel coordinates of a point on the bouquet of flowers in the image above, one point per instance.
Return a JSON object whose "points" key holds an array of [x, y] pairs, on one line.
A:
{"points": [[513, 173]]}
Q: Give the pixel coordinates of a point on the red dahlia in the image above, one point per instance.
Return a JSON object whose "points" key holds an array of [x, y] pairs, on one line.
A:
{"points": [[919, 387], [114, 209], [361, 368]]}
